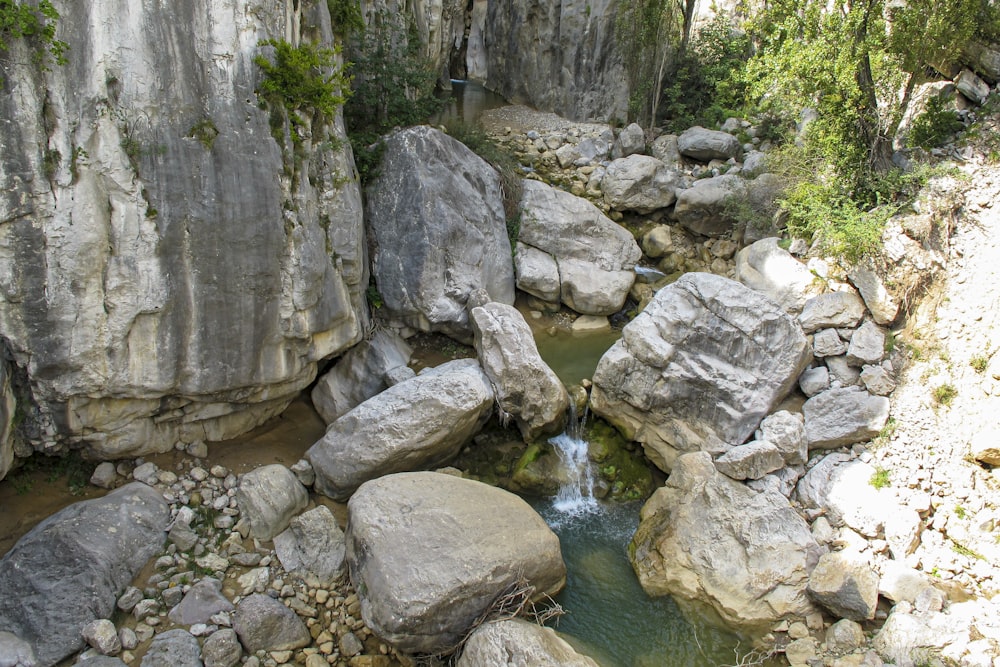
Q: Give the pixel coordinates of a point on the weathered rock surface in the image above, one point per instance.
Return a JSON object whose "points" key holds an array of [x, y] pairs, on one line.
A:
{"points": [[200, 603], [867, 345], [640, 183], [359, 374], [750, 461], [438, 232], [702, 208], [703, 144], [882, 306], [422, 422], [173, 648], [631, 140], [70, 568], [846, 588], [593, 255], [699, 368], [537, 273], [222, 649], [15, 652], [519, 643], [786, 431], [263, 623], [833, 310], [468, 541], [843, 416], [156, 289], [578, 73], [102, 635], [768, 268], [7, 408], [526, 388], [312, 546], [705, 538], [269, 497]]}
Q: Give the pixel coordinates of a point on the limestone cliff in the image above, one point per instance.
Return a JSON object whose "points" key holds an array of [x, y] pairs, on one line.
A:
{"points": [[170, 270]]}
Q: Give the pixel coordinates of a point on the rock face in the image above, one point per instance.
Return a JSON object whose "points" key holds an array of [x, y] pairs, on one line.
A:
{"points": [[699, 368], [468, 541], [745, 554], [438, 232], [557, 56], [419, 423], [526, 388], [639, 183], [702, 207], [162, 281], [70, 569], [359, 374], [518, 642], [594, 256]]}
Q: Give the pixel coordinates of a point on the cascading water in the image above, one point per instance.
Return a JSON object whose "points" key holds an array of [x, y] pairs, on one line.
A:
{"points": [[576, 496]]}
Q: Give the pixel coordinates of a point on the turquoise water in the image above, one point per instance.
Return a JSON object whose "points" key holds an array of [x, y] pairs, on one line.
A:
{"points": [[608, 615]]}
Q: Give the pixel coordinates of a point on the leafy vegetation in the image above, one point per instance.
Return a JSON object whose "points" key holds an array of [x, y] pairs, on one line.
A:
{"points": [[944, 394], [979, 363], [880, 478], [36, 23], [935, 125], [345, 17]]}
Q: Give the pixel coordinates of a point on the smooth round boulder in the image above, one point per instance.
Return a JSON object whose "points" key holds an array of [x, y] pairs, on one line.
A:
{"points": [[429, 553], [518, 642]]}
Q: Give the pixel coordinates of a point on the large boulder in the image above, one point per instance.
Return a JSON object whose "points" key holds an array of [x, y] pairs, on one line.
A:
{"points": [[359, 374], [594, 256], [705, 208], [843, 416], [438, 232], [770, 269], [70, 568], [313, 546], [709, 540], [836, 310], [169, 271], [537, 273], [699, 368], [526, 388], [518, 642], [846, 587], [430, 553], [703, 144], [269, 497], [639, 183], [422, 422]]}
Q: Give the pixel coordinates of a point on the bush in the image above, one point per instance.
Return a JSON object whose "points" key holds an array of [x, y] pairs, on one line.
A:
{"points": [[345, 17], [935, 125]]}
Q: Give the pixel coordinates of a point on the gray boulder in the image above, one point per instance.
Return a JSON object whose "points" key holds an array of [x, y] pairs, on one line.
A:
{"points": [[468, 541], [867, 345], [269, 497], [436, 219], [704, 207], [828, 343], [833, 310], [768, 268], [173, 648], [526, 388], [704, 145], [750, 461], [882, 306], [814, 380], [313, 546], [222, 649], [264, 624], [972, 87], [631, 140], [102, 635], [359, 374], [419, 423], [877, 380], [845, 588], [754, 163], [520, 643], [699, 368], [537, 273], [70, 568], [202, 601], [15, 652], [786, 431], [984, 58], [664, 148], [590, 291], [639, 183], [842, 374], [843, 416], [706, 539]]}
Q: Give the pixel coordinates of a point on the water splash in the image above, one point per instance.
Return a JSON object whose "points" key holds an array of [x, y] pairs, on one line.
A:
{"points": [[576, 497]]}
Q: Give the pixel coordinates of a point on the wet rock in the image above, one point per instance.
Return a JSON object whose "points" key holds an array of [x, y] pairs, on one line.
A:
{"points": [[469, 541], [422, 422], [264, 624], [312, 546], [359, 374], [526, 388], [750, 461], [437, 224], [173, 648], [93, 549], [703, 144], [844, 416], [768, 268], [519, 642], [706, 539], [639, 183], [833, 310], [846, 588], [269, 497], [699, 368], [202, 601]]}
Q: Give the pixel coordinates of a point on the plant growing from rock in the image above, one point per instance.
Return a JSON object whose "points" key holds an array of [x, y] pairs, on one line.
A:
{"points": [[37, 25]]}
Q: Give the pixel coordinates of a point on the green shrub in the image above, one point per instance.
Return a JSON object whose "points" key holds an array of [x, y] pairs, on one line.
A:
{"points": [[935, 125], [880, 478], [345, 17], [36, 23], [944, 394], [979, 363]]}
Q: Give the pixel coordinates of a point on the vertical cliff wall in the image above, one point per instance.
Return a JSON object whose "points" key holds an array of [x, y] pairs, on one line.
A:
{"points": [[170, 271], [556, 56]]}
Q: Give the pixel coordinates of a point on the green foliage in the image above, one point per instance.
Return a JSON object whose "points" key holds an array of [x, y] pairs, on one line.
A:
{"points": [[880, 479], [205, 132], [345, 16], [374, 297], [979, 363], [393, 86], [36, 23], [935, 125], [944, 394], [303, 79], [70, 467]]}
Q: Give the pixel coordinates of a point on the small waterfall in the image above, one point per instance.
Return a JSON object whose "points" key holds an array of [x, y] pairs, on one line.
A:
{"points": [[576, 497]]}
